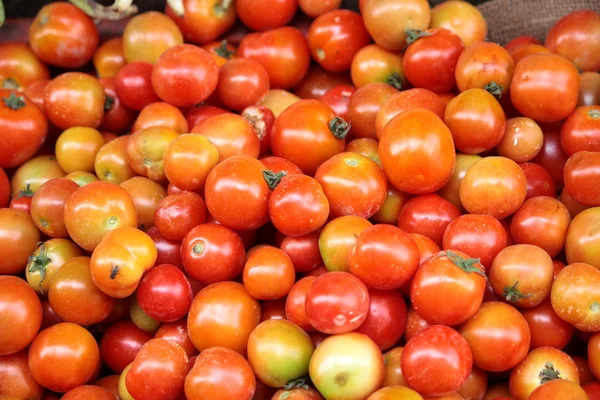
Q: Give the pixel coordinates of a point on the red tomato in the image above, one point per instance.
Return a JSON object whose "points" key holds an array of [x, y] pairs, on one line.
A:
{"points": [[16, 381], [384, 257], [265, 14], [177, 332], [485, 65], [146, 195], [581, 130], [552, 157], [84, 392], [63, 35], [534, 98], [164, 293], [547, 329], [364, 106], [431, 145], [430, 59], [200, 113], [520, 41], [120, 344], [437, 361], [261, 119], [582, 239], [25, 128], [188, 159], [4, 189], [539, 181], [314, 8], [317, 82], [295, 309], [134, 87], [161, 114], [167, 250], [283, 52], [268, 273], [337, 302], [178, 213], [386, 320], [582, 169], [475, 386], [303, 251], [242, 83], [279, 164], [589, 89], [462, 18], [47, 206], [338, 98], [203, 20], [18, 237], [148, 35], [558, 389], [117, 117]]}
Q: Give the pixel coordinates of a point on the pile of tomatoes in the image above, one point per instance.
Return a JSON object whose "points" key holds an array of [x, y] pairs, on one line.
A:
{"points": [[378, 205]]}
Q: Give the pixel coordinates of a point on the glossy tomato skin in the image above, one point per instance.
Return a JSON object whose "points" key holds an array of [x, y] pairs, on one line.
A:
{"points": [[64, 36], [146, 195], [581, 240], [220, 374], [120, 344], [161, 114], [430, 61], [547, 329], [338, 98], [462, 18], [539, 181], [76, 149], [34, 173], [431, 144], [16, 381], [364, 105], [437, 361], [168, 251], [202, 20], [146, 149], [133, 85], [22, 315], [265, 15], [176, 331], [582, 169], [295, 309], [63, 357], [303, 251], [386, 320], [164, 293], [25, 128], [20, 66], [384, 257], [177, 214], [373, 64], [108, 58], [268, 273], [148, 35], [529, 82], [242, 83], [494, 328], [4, 189], [338, 238], [19, 237], [88, 391], [282, 51], [589, 89], [451, 191], [111, 164], [117, 117], [188, 159], [483, 64], [580, 130], [522, 141], [558, 389]]}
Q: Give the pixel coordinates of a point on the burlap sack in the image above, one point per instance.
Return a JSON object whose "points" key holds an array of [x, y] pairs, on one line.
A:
{"points": [[508, 19]]}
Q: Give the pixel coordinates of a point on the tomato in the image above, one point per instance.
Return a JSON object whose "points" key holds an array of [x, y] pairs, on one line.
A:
{"points": [[297, 393], [161, 114], [520, 41], [188, 159], [220, 374], [585, 373], [279, 352], [177, 214], [581, 171], [20, 67], [373, 64], [592, 389], [16, 379], [148, 35], [120, 344], [177, 332], [168, 251], [4, 189], [139, 317], [493, 329], [337, 302], [386, 320], [279, 164], [366, 147], [111, 163], [393, 368], [88, 391], [76, 149], [520, 52], [558, 389], [388, 20], [277, 100], [338, 98], [21, 315], [552, 103], [45, 261], [303, 251], [34, 173], [282, 51], [81, 178], [499, 181], [133, 85], [462, 18], [430, 144], [522, 141], [201, 113], [338, 238], [25, 128], [156, 359], [117, 117], [203, 21], [485, 65], [47, 206], [108, 58], [231, 134], [314, 8], [223, 314], [146, 195], [451, 191], [437, 361], [63, 35], [295, 310], [264, 15], [581, 129], [273, 309], [575, 296], [347, 366], [430, 59], [18, 237], [164, 293], [539, 181], [475, 386], [268, 273], [364, 106], [261, 119], [36, 91], [242, 83], [582, 240], [63, 357], [406, 100], [146, 148], [522, 274], [547, 329], [593, 355], [589, 89], [575, 37]]}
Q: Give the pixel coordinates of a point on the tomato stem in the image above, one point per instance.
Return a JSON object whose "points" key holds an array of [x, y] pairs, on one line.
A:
{"points": [[198, 248], [512, 294], [177, 7], [14, 102], [222, 7], [273, 178], [118, 10], [39, 263], [27, 192], [413, 35], [109, 101], [394, 80], [296, 383], [594, 114], [494, 89], [10, 83], [468, 265], [339, 127], [223, 51], [549, 373]]}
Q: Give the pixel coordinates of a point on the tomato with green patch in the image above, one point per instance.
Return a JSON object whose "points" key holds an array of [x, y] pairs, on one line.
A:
{"points": [[46, 260], [338, 238]]}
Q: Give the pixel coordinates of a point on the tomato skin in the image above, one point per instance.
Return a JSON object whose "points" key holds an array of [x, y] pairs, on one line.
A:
{"points": [[133, 85], [373, 64], [146, 195], [25, 128], [558, 389], [393, 368], [297, 393], [386, 320], [539, 181], [220, 374], [63, 357], [589, 89], [188, 159], [242, 83], [295, 309], [268, 273], [593, 353], [16, 379], [19, 66], [439, 50], [164, 293], [120, 344], [581, 238], [384, 257], [161, 114], [108, 58], [462, 18], [495, 327], [338, 98], [337, 240], [364, 106], [64, 36], [582, 169], [484, 63], [282, 51], [111, 163], [4, 189], [547, 329], [574, 296], [18, 237], [580, 130], [34, 173], [265, 15], [279, 351], [148, 35], [347, 366], [529, 82], [522, 141], [146, 148], [85, 391], [208, 328], [177, 214], [157, 358], [440, 352], [431, 144], [451, 191], [76, 149], [203, 20], [317, 82]]}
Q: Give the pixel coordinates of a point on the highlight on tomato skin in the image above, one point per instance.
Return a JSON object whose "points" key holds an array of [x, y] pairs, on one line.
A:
{"points": [[299, 200]]}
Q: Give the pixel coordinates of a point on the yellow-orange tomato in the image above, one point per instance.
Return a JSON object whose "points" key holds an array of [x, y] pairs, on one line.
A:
{"points": [[277, 100], [18, 238], [462, 18], [188, 160], [108, 58], [34, 173], [450, 192], [146, 194], [146, 148], [121, 259], [111, 163], [46, 260], [485, 65], [374, 64], [95, 209], [148, 35], [19, 66], [76, 149], [81, 177]]}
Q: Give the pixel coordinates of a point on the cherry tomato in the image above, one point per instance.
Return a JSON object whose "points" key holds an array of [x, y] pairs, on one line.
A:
{"points": [[279, 164], [303, 251], [63, 35], [148, 35], [36, 91], [437, 361], [47, 206], [242, 83], [120, 344], [314, 8], [475, 386], [547, 329], [19, 66], [133, 85], [534, 98], [108, 58], [317, 82], [117, 117], [581, 238], [462, 18], [589, 89], [88, 392], [366, 147], [45, 261], [364, 106], [146, 195], [202, 20], [161, 114], [386, 320], [580, 130], [177, 214], [268, 273], [430, 59], [28, 178], [451, 191], [188, 159], [164, 293], [223, 315], [558, 389], [146, 148], [373, 64], [430, 144], [338, 98], [393, 368], [295, 309], [522, 140], [111, 162], [520, 52], [16, 380], [18, 237], [580, 173], [140, 318], [176, 331], [485, 65], [201, 113], [338, 238], [76, 149], [63, 357], [539, 181]]}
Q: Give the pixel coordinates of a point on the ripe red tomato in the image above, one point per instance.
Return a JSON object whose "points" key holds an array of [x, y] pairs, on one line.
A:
{"points": [[364, 106], [534, 98], [283, 52], [266, 14], [177, 332], [338, 98], [268, 273], [120, 344], [18, 237], [589, 89], [295, 309], [25, 128], [63, 35], [317, 82], [16, 381], [386, 320], [462, 18], [580, 131], [384, 257], [177, 214], [63, 357], [431, 145], [430, 59], [303, 251], [373, 64], [168, 251], [539, 181], [88, 392], [279, 164], [133, 85], [582, 169], [337, 302], [164, 293], [437, 361], [558, 389], [547, 329], [552, 157], [485, 65], [220, 374], [202, 20], [148, 35], [117, 117], [242, 83]]}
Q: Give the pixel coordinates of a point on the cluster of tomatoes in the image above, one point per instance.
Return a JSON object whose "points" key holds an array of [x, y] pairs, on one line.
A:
{"points": [[416, 215]]}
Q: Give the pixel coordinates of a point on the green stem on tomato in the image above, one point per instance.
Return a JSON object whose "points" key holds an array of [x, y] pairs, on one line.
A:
{"points": [[223, 51], [494, 89], [549, 373], [222, 7], [118, 10], [273, 178], [177, 7], [413, 34], [14, 102], [339, 127], [468, 265], [395, 80], [512, 294]]}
